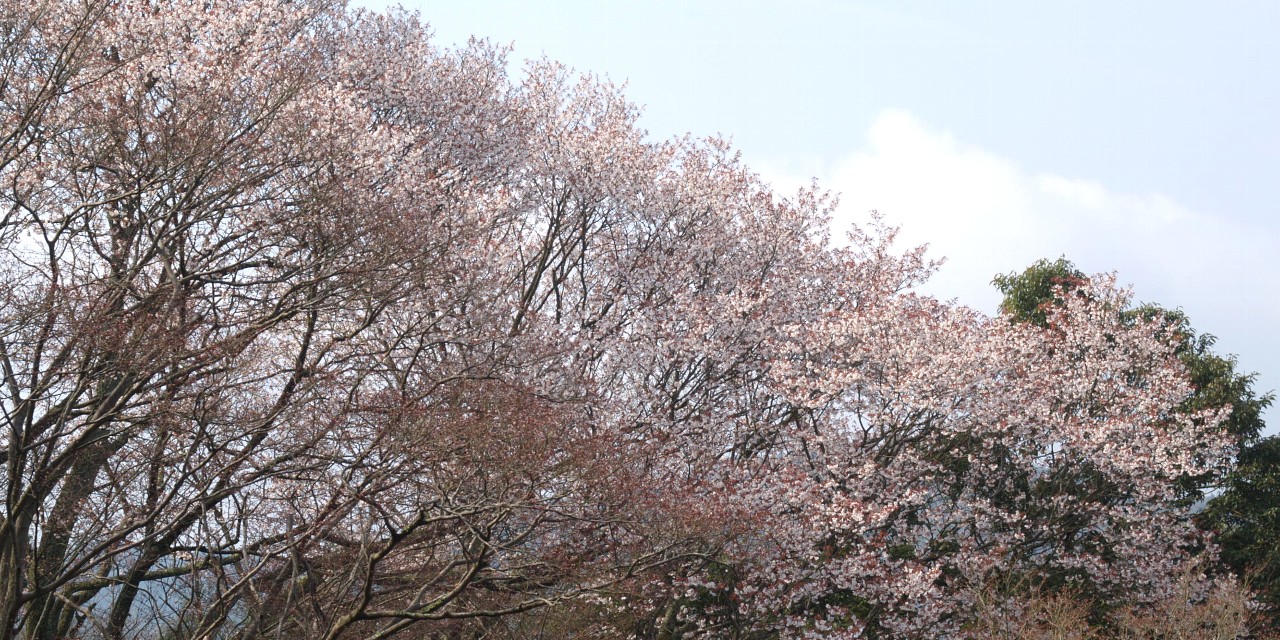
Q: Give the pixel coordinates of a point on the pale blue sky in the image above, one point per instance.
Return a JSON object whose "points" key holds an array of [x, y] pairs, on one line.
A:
{"points": [[1139, 137]]}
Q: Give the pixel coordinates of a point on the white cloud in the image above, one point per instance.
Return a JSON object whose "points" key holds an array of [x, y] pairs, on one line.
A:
{"points": [[986, 214]]}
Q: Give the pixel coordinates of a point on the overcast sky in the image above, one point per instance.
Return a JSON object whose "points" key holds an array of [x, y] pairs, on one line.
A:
{"points": [[1136, 137]]}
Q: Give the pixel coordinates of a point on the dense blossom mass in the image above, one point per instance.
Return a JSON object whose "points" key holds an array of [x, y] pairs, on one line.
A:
{"points": [[311, 329]]}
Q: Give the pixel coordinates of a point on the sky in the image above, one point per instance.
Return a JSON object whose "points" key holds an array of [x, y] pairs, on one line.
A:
{"points": [[1141, 138]]}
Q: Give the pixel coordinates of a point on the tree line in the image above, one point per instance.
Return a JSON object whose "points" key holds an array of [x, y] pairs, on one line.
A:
{"points": [[310, 328]]}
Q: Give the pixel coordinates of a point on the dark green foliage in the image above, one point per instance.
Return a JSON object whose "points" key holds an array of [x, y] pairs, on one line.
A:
{"points": [[1246, 517], [1027, 295]]}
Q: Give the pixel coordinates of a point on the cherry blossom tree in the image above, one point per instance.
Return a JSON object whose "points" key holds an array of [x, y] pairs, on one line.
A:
{"points": [[312, 329]]}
